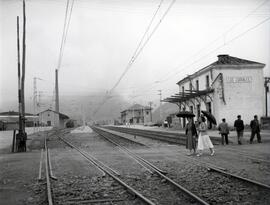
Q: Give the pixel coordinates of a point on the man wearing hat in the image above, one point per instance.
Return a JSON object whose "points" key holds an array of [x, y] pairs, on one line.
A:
{"points": [[255, 129], [239, 126]]}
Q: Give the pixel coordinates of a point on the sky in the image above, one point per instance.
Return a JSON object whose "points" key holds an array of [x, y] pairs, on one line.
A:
{"points": [[103, 35]]}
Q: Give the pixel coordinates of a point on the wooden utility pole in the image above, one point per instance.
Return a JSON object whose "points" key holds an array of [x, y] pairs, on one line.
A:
{"points": [[19, 77], [21, 137], [23, 68], [56, 91], [160, 104]]}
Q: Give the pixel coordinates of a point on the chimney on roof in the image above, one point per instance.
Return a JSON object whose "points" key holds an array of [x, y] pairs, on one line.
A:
{"points": [[223, 58]]}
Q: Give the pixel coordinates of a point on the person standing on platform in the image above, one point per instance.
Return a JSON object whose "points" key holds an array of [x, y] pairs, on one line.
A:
{"points": [[191, 134], [204, 140], [255, 129], [239, 126], [224, 131]]}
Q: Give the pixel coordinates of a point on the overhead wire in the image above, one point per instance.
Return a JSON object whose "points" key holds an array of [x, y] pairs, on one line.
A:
{"points": [[165, 78], [218, 38], [63, 35], [137, 51], [217, 48], [65, 38], [228, 42], [68, 14]]}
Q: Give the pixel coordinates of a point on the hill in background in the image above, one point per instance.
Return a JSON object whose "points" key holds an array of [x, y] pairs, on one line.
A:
{"points": [[166, 110], [89, 107]]}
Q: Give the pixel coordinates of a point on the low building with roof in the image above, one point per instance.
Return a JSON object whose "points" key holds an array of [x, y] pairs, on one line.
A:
{"points": [[52, 118], [229, 87], [136, 114], [10, 120]]}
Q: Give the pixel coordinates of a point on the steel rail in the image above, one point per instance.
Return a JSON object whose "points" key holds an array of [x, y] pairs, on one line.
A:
{"points": [[155, 136], [176, 138], [221, 170], [90, 157], [136, 142], [248, 156], [87, 158], [240, 178], [133, 191], [206, 164], [49, 191], [198, 199], [40, 165], [133, 154], [132, 157], [50, 165]]}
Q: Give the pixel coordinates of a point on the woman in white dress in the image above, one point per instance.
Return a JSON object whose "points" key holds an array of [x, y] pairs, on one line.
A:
{"points": [[204, 141]]}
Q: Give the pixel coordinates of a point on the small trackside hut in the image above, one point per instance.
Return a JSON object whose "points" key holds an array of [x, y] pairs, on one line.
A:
{"points": [[52, 118]]}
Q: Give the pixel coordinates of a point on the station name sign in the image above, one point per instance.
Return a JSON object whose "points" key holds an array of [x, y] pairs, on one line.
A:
{"points": [[240, 79]]}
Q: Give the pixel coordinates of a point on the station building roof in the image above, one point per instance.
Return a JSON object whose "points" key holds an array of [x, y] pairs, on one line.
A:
{"points": [[182, 97], [223, 59], [13, 113], [12, 116]]}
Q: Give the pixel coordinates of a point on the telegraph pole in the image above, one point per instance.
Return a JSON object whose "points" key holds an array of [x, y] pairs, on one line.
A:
{"points": [[56, 91], [35, 101], [160, 104], [21, 137], [23, 68], [19, 77]]}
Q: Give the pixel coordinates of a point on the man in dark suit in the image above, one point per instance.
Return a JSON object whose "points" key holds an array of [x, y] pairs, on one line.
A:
{"points": [[239, 126], [255, 129]]}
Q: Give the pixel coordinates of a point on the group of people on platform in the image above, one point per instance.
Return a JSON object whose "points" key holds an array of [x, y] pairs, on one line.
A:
{"points": [[204, 141], [196, 142], [254, 126]]}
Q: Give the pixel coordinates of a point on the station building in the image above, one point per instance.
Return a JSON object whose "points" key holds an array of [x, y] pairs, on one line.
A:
{"points": [[136, 114], [10, 120], [226, 88], [52, 118]]}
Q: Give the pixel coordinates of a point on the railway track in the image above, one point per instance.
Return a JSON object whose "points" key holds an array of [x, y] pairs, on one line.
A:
{"points": [[152, 169], [51, 184], [179, 139], [213, 168], [175, 138], [247, 155], [165, 175], [48, 173]]}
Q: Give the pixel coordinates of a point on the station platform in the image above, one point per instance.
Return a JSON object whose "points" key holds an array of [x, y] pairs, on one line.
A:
{"points": [[265, 134]]}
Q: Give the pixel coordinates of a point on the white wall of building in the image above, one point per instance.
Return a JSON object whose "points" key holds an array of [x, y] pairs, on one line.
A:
{"points": [[243, 92], [137, 114], [49, 116]]}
